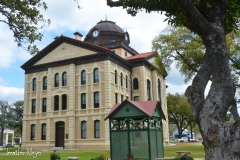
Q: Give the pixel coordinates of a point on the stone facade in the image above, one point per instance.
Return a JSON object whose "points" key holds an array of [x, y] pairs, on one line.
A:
{"points": [[73, 116]]}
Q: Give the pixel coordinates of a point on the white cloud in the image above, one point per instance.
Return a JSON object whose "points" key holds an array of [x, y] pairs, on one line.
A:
{"points": [[172, 88], [11, 94]]}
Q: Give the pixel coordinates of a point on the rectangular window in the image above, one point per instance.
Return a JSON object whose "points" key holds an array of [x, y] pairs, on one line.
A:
{"points": [[83, 101], [96, 99], [56, 103], [116, 98], [121, 98], [32, 132], [136, 98], [44, 104], [43, 131], [83, 130], [96, 129], [64, 102], [33, 105]]}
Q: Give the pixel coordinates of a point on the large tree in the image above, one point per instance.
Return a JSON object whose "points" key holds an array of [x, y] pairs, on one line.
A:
{"points": [[5, 118], [25, 21], [186, 49], [17, 113], [211, 20], [179, 112]]}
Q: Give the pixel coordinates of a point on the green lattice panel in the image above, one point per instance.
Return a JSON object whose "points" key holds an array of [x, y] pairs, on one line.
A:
{"points": [[160, 143], [139, 144], [119, 145]]}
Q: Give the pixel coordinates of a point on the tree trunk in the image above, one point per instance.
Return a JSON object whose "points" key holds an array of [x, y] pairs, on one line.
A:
{"points": [[220, 140], [2, 137]]}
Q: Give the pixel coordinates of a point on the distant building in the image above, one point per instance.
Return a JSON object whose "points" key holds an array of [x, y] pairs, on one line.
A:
{"points": [[186, 133], [6, 134], [72, 84]]}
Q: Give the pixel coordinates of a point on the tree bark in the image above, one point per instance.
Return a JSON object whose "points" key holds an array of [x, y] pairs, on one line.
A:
{"points": [[221, 140]]}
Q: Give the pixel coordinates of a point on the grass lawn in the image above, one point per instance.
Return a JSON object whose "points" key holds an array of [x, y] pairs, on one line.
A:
{"points": [[196, 148], [169, 151]]}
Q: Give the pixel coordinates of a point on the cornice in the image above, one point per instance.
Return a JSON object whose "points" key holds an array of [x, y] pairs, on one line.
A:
{"points": [[81, 60], [58, 41]]}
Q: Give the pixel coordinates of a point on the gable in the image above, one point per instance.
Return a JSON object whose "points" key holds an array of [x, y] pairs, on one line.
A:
{"points": [[64, 51], [127, 110]]}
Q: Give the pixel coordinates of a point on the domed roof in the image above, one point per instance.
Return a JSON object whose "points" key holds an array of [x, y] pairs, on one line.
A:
{"points": [[105, 32], [107, 26]]}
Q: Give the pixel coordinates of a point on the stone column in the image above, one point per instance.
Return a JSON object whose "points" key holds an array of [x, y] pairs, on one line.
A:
{"points": [[108, 103], [26, 107], [71, 106]]}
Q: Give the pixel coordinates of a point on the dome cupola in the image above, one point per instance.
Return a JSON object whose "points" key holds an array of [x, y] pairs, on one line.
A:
{"points": [[106, 32]]}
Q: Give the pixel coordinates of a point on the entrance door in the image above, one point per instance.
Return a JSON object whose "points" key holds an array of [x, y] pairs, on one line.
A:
{"points": [[59, 142]]}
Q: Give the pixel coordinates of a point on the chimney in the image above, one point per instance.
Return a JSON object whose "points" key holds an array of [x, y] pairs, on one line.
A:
{"points": [[78, 36]]}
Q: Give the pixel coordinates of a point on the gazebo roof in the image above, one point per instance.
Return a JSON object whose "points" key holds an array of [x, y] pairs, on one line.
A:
{"points": [[147, 108]]}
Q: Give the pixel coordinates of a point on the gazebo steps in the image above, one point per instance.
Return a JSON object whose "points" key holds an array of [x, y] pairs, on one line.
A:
{"points": [[57, 148]]}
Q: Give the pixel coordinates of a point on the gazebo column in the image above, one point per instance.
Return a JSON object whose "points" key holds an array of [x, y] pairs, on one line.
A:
{"points": [[6, 138]]}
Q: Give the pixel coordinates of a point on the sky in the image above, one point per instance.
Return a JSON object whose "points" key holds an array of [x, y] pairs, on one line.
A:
{"points": [[66, 19]]}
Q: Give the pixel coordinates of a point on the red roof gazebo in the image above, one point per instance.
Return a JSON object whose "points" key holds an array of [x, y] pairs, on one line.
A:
{"points": [[136, 128]]}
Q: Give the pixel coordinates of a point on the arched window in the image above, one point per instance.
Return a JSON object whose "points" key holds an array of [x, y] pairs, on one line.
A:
{"points": [[64, 79], [33, 105], [159, 90], [83, 129], [83, 77], [149, 89], [121, 79], [96, 99], [116, 77], [64, 102], [96, 129], [44, 131], [135, 83], [44, 104], [32, 132], [56, 80], [56, 103], [44, 83], [83, 101], [126, 81], [95, 75], [34, 84]]}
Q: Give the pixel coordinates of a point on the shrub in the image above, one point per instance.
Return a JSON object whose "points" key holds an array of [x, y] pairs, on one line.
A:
{"points": [[184, 157]]}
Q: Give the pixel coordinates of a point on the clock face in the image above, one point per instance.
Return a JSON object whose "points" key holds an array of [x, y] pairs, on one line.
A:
{"points": [[95, 33]]}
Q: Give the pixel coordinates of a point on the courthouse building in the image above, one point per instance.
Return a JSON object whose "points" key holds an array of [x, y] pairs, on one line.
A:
{"points": [[71, 85]]}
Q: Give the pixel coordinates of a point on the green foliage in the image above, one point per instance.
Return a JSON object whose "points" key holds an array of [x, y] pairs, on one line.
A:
{"points": [[17, 112], [6, 117], [25, 21], [55, 155], [101, 157], [176, 16], [181, 46], [187, 50], [179, 112]]}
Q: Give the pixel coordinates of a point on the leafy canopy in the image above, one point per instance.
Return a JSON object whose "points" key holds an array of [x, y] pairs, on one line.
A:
{"points": [[186, 49], [25, 20], [179, 111], [175, 16]]}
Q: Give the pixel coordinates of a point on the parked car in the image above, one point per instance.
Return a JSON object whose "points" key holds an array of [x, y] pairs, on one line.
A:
{"points": [[183, 139], [194, 140], [8, 145]]}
